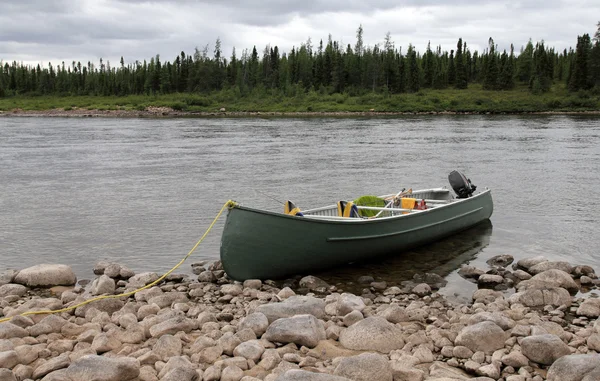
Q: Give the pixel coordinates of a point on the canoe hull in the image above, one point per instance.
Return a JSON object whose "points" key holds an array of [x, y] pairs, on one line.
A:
{"points": [[263, 245]]}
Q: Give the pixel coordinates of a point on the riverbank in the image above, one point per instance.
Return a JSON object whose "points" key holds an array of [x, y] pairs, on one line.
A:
{"points": [[167, 112], [475, 100], [207, 327]]}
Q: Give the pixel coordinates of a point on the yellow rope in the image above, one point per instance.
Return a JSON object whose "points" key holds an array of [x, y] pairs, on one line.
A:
{"points": [[229, 204]]}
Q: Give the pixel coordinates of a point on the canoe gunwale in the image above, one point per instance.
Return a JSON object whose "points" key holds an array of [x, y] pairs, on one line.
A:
{"points": [[307, 219]]}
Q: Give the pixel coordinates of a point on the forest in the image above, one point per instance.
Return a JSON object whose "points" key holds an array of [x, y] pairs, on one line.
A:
{"points": [[325, 70]]}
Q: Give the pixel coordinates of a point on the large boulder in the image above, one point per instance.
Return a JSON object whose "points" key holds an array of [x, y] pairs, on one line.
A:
{"points": [[372, 334], [365, 367], [304, 330], [100, 368], [575, 368], [548, 279], [556, 296], [294, 305], [103, 285], [486, 336], [46, 276], [544, 349]]}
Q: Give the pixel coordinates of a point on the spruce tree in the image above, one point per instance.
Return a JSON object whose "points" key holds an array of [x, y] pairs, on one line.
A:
{"points": [[461, 72], [490, 81]]}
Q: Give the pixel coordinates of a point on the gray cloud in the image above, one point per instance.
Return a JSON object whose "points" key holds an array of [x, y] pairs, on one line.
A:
{"points": [[64, 30]]}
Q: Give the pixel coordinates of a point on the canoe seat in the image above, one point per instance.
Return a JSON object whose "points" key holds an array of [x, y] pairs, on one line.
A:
{"points": [[291, 209], [347, 209]]}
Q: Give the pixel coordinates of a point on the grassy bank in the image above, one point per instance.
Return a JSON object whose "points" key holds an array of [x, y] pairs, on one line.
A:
{"points": [[472, 100]]}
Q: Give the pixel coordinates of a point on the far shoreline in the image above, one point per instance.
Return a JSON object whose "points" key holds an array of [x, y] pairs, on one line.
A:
{"points": [[167, 112]]}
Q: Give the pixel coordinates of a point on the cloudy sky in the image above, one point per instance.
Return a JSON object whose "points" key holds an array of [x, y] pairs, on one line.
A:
{"points": [[39, 31]]}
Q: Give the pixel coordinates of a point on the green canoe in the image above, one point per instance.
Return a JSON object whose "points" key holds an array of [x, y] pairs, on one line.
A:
{"points": [[258, 244]]}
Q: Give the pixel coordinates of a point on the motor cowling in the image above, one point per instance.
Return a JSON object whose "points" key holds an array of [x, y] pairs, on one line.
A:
{"points": [[461, 184]]}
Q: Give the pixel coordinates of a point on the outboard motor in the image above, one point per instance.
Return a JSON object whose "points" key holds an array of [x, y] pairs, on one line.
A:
{"points": [[461, 185]]}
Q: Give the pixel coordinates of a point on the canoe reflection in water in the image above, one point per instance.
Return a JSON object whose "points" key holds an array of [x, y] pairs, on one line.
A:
{"points": [[441, 257]]}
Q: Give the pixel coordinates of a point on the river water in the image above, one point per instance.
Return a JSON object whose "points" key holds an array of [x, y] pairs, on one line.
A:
{"points": [[142, 191]]}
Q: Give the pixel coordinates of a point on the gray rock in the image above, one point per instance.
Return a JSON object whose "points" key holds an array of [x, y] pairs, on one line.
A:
{"points": [[176, 362], [295, 305], [105, 343], [12, 289], [113, 270], [497, 317], [502, 260], [489, 280], [313, 283], [207, 277], [172, 326], [549, 279], [46, 275], [470, 272], [515, 359], [7, 375], [527, 263], [365, 367], [8, 359], [522, 275], [254, 284], [103, 285], [100, 368], [7, 276], [575, 368], [593, 342], [444, 372], [168, 299], [250, 350], [348, 303], [59, 362], [256, 321], [395, 314], [167, 346], [231, 289], [352, 317], [229, 342], [461, 352], [550, 265], [109, 306], [421, 289], [303, 375], [590, 308], [487, 296], [9, 331], [541, 298], [372, 334], [232, 373], [544, 349], [485, 336], [579, 271], [300, 329], [181, 374], [142, 279]]}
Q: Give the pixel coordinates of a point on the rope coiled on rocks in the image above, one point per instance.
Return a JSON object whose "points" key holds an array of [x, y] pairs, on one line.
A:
{"points": [[228, 205]]}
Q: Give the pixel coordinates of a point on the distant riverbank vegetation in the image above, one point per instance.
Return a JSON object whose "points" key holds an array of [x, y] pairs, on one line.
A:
{"points": [[325, 77]]}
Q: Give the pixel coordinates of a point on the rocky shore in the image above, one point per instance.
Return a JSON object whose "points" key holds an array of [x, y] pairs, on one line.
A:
{"points": [[532, 320], [158, 112]]}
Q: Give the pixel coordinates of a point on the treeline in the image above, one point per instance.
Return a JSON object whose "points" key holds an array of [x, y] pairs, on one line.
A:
{"points": [[328, 68]]}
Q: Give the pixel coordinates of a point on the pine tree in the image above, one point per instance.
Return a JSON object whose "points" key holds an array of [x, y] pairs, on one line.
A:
{"points": [[461, 71], [490, 81], [580, 77]]}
